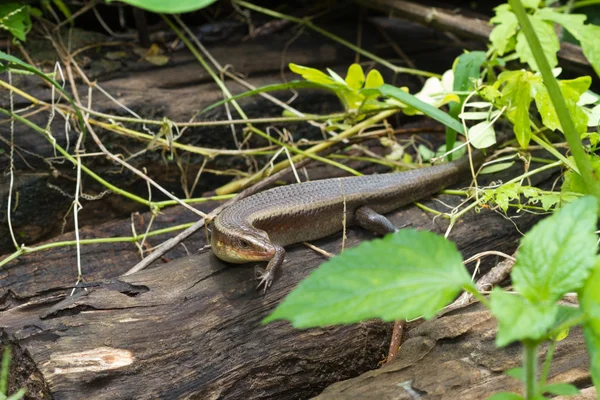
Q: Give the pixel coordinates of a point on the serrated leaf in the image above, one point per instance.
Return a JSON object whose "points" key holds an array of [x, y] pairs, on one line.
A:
{"points": [[520, 319], [561, 389], [402, 276], [587, 34], [516, 95], [374, 79], [15, 18], [506, 27], [355, 78], [548, 40], [557, 254], [572, 91], [549, 201]]}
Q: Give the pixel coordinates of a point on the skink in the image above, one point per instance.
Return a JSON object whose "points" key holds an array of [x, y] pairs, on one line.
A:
{"points": [[258, 227]]}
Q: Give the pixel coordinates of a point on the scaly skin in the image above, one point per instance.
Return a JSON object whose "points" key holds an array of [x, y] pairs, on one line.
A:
{"points": [[258, 227]]}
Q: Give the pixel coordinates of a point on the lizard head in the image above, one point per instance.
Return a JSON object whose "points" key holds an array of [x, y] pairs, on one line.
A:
{"points": [[242, 245]]}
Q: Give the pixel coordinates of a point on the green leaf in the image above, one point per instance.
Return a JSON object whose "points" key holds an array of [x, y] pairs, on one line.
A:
{"points": [[572, 180], [505, 30], [505, 396], [587, 34], [531, 3], [168, 7], [572, 91], [516, 95], [14, 17], [482, 135], [14, 62], [374, 79], [427, 109], [589, 300], [548, 40], [517, 373], [560, 389], [467, 70], [557, 254], [18, 395], [312, 74], [402, 276], [519, 318], [497, 167], [64, 9], [355, 78]]}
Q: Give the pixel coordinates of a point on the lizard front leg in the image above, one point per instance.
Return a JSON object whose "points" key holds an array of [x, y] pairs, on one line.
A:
{"points": [[267, 276]]}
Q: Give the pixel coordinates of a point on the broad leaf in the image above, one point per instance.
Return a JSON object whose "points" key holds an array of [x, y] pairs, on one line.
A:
{"points": [[502, 36], [548, 40], [402, 276], [169, 7], [355, 78], [560, 389], [556, 256], [520, 319], [14, 17], [587, 34], [516, 95]]}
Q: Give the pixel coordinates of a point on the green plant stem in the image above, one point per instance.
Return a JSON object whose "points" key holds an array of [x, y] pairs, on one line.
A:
{"points": [[335, 38], [4, 371], [534, 171], [580, 4], [122, 239], [530, 365], [552, 150], [303, 153], [242, 183], [547, 362], [72, 159], [430, 210], [204, 64], [582, 160]]}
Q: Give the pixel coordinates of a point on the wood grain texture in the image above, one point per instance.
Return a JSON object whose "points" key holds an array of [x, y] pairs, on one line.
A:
{"points": [[191, 328], [455, 357]]}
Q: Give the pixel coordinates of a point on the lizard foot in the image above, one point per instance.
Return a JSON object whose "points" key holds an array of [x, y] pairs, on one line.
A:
{"points": [[265, 279]]}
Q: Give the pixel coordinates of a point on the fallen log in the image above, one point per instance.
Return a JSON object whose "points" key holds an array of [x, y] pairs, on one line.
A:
{"points": [[191, 328]]}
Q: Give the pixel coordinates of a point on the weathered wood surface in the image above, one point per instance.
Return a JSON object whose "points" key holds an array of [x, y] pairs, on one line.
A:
{"points": [[191, 328], [455, 357]]}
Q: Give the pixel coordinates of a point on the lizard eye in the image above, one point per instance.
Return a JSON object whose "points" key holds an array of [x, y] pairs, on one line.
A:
{"points": [[244, 244]]}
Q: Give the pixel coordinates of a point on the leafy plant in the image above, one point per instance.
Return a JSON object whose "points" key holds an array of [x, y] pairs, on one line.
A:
{"points": [[16, 19], [415, 273], [509, 41]]}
